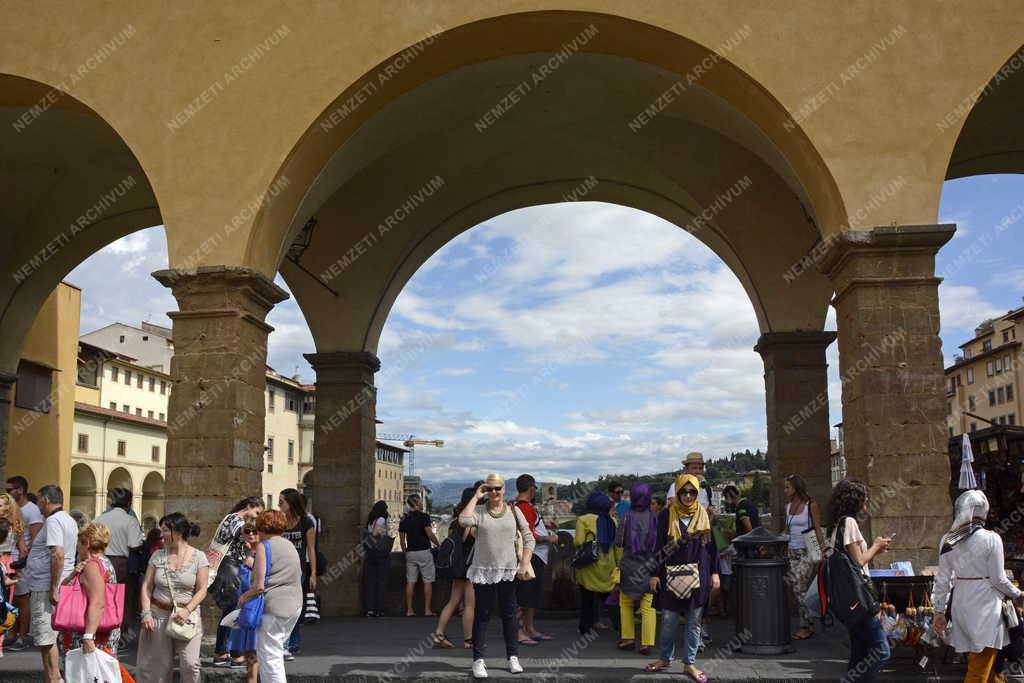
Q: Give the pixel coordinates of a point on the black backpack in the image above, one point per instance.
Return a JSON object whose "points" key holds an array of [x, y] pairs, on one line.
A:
{"points": [[851, 595], [450, 560]]}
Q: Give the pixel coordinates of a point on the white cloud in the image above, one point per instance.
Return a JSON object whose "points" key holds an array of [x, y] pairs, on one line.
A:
{"points": [[456, 372], [961, 306]]}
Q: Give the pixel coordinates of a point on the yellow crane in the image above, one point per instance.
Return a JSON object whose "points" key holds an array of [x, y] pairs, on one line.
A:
{"points": [[410, 441]]}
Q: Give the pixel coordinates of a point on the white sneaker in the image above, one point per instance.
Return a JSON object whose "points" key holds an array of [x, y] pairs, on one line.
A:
{"points": [[514, 666], [479, 668]]}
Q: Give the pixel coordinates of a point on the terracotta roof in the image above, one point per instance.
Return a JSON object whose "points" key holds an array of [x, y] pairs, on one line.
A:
{"points": [[118, 415]]}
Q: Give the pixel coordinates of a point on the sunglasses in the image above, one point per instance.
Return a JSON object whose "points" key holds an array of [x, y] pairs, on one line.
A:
{"points": [[688, 492], [493, 489], [617, 492], [249, 530]]}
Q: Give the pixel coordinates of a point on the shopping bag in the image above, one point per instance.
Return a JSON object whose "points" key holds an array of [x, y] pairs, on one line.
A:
{"points": [[812, 600], [94, 667]]}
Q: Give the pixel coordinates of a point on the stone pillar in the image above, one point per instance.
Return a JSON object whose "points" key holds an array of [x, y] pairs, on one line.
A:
{"points": [[796, 402], [216, 406], [344, 444], [890, 362], [7, 380]]}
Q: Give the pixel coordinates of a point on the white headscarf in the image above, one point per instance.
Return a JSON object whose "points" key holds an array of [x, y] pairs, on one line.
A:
{"points": [[969, 514]]}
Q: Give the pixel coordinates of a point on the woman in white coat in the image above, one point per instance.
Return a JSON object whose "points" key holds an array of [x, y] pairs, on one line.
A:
{"points": [[971, 559]]}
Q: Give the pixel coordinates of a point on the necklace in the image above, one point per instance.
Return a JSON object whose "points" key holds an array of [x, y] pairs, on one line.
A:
{"points": [[500, 514]]}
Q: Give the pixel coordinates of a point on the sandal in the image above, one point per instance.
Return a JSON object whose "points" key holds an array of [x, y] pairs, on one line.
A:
{"points": [[528, 641], [699, 677], [626, 644], [645, 650], [542, 636], [441, 641], [659, 665], [467, 644], [803, 634]]}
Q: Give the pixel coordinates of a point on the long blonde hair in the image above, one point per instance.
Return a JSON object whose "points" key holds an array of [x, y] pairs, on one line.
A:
{"points": [[13, 515]]}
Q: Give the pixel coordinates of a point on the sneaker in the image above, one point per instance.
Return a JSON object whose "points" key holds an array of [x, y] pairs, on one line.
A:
{"points": [[514, 666], [288, 656], [16, 645], [479, 668], [222, 661]]}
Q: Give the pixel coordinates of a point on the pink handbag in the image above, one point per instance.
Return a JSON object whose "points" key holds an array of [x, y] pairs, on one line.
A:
{"points": [[69, 614]]}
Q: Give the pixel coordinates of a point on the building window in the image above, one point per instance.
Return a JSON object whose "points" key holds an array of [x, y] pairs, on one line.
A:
{"points": [[967, 353], [87, 373], [970, 375], [986, 345], [959, 380], [1001, 394], [270, 448], [1006, 336], [138, 380], [292, 406], [138, 412], [155, 453], [163, 387], [949, 408], [270, 400], [122, 339], [113, 405], [145, 337], [34, 386], [991, 397], [952, 385], [1007, 363], [999, 365], [270, 501], [970, 403], [1011, 419], [270, 468], [163, 418], [122, 448], [125, 409], [149, 414], [128, 377], [1002, 419], [83, 443], [1009, 392], [114, 370], [152, 383], [308, 405], [291, 452], [989, 368]]}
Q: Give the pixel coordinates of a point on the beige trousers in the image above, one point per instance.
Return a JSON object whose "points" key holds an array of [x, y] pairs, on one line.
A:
{"points": [[157, 652]]}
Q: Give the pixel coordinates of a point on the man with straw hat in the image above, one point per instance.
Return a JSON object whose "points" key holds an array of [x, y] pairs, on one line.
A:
{"points": [[693, 464]]}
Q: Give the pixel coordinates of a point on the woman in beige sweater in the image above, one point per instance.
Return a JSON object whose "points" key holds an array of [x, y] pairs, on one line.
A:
{"points": [[494, 566]]}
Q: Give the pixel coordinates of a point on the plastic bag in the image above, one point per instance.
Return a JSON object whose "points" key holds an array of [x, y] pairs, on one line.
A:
{"points": [[94, 667]]}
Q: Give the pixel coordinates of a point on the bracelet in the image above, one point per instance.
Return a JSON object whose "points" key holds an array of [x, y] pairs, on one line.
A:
{"points": [[145, 613]]}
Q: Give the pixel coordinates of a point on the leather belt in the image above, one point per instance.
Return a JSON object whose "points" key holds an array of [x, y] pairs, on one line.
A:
{"points": [[165, 606], [972, 578]]}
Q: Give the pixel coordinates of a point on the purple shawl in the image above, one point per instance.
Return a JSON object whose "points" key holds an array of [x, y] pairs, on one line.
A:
{"points": [[641, 530]]}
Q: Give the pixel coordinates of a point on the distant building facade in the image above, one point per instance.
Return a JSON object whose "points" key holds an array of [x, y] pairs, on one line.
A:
{"points": [[984, 382]]}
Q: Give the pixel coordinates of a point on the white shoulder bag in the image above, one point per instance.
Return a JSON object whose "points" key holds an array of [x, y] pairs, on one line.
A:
{"points": [[180, 631]]}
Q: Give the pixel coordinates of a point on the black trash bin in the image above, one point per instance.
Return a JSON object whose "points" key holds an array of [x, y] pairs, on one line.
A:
{"points": [[762, 608]]}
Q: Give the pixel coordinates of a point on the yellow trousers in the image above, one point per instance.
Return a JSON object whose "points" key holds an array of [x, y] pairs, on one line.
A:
{"points": [[648, 622], [980, 665]]}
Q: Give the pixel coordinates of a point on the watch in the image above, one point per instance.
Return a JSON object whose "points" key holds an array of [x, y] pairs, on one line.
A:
{"points": [[88, 636]]}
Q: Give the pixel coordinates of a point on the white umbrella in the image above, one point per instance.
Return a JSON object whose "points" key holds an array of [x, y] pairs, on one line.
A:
{"points": [[967, 480]]}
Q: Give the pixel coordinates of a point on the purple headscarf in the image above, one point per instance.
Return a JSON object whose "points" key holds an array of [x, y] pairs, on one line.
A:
{"points": [[641, 530]]}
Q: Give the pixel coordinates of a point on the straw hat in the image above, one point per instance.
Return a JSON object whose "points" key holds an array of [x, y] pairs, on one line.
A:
{"points": [[693, 458]]}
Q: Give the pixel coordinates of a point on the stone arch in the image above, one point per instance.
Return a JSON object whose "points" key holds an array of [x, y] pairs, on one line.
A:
{"points": [[989, 138], [83, 490], [153, 496], [120, 477], [69, 185], [754, 112]]}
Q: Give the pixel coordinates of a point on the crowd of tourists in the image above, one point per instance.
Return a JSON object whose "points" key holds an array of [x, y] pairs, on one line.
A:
{"points": [[73, 587], [637, 559]]}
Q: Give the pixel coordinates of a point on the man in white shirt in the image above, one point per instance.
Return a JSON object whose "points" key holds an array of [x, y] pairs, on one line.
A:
{"points": [[50, 561], [17, 487], [125, 536]]}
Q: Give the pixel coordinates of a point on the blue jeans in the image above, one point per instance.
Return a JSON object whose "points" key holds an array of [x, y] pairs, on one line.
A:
{"points": [[691, 637], [869, 651]]}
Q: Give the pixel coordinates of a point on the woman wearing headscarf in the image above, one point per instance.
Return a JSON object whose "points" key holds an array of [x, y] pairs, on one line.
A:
{"points": [[596, 580], [637, 535], [971, 559], [686, 550]]}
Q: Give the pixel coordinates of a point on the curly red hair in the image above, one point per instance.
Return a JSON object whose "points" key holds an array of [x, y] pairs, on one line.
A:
{"points": [[273, 522]]}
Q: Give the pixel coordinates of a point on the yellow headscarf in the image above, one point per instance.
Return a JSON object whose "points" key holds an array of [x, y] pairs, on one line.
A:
{"points": [[678, 510]]}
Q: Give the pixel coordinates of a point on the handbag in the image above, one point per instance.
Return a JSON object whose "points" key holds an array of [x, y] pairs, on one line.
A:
{"points": [[224, 589], [586, 554], [811, 538], [528, 573], [682, 579], [1014, 649], [187, 630], [378, 547], [69, 614], [635, 575], [851, 595], [250, 615]]}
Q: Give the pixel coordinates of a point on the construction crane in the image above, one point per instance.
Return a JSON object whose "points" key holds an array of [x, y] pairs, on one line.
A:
{"points": [[410, 441]]}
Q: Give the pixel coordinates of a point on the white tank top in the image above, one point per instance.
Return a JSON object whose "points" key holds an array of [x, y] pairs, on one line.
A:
{"points": [[796, 525]]}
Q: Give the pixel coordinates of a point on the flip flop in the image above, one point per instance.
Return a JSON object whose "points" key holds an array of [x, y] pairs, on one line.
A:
{"points": [[626, 644], [528, 642], [654, 667], [702, 678], [542, 636]]}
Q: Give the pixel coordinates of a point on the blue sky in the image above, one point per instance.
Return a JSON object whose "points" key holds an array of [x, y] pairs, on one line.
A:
{"points": [[566, 361]]}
